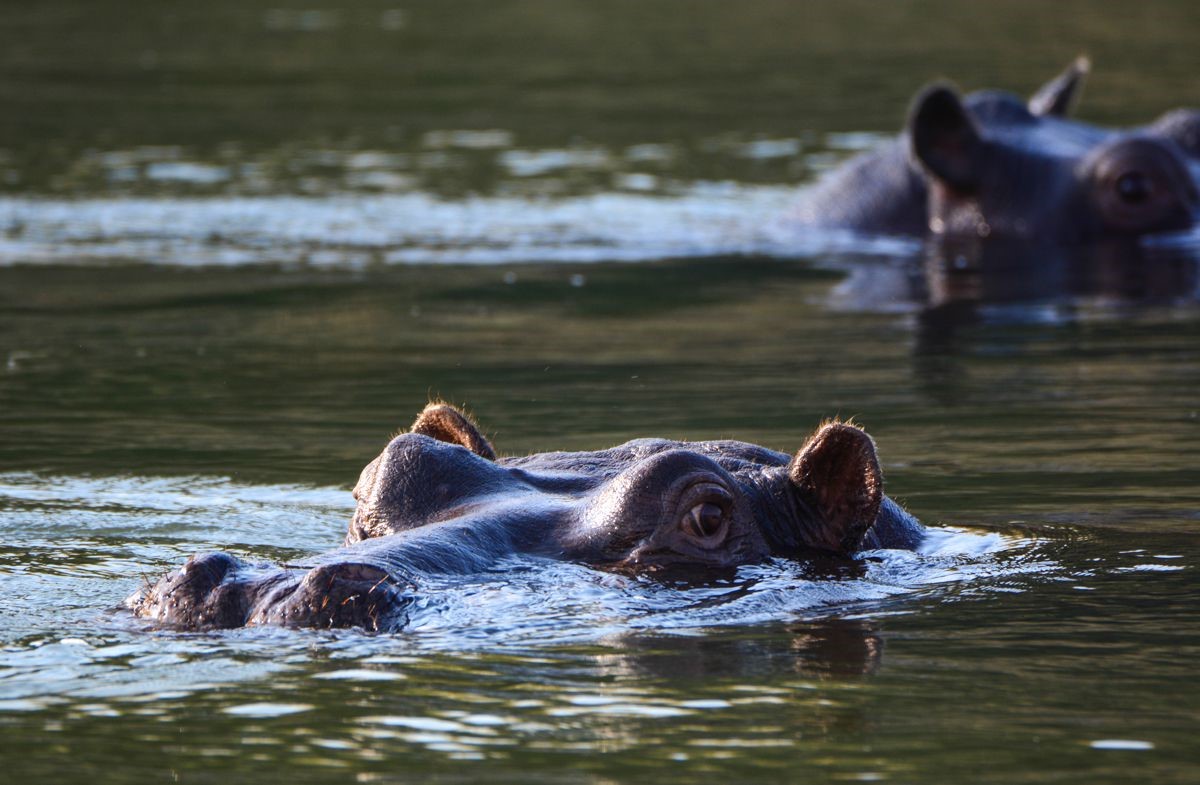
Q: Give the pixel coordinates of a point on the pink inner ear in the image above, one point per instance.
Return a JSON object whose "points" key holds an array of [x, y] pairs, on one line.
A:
{"points": [[838, 470]]}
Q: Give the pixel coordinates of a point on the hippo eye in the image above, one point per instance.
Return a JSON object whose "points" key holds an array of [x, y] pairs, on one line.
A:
{"points": [[707, 521], [1134, 187], [1142, 185], [704, 520]]}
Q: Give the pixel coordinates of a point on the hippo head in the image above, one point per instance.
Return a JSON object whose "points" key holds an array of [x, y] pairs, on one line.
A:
{"points": [[1002, 167], [644, 504], [437, 501]]}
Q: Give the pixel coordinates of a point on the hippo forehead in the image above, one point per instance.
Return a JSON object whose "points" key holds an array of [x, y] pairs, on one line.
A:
{"points": [[1006, 118], [738, 458], [602, 506]]}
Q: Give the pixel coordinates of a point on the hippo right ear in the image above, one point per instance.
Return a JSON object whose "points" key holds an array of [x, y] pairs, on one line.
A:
{"points": [[945, 138], [1059, 95], [445, 423], [840, 485]]}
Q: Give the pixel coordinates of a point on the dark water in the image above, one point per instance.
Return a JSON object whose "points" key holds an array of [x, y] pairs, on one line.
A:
{"points": [[242, 244]]}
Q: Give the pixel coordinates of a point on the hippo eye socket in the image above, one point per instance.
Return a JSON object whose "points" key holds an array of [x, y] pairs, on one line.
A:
{"points": [[1134, 187]]}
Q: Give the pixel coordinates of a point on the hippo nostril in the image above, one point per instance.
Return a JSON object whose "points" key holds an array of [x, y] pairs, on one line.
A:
{"points": [[209, 569], [198, 595], [346, 594]]}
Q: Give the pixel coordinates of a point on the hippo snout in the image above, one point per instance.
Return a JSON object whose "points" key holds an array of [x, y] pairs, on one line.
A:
{"points": [[217, 591]]}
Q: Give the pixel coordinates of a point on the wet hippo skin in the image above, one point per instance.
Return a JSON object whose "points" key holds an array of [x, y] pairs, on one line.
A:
{"points": [[438, 501]]}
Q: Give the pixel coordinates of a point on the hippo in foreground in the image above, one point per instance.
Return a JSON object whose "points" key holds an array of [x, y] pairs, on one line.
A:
{"points": [[993, 165], [438, 501]]}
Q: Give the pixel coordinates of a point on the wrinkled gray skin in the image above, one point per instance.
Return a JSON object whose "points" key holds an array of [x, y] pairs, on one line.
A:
{"points": [[993, 165], [436, 501]]}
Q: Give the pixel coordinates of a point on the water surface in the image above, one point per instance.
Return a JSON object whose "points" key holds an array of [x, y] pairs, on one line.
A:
{"points": [[241, 245]]}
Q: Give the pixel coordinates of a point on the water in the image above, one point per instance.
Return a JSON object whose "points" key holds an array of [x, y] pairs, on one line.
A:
{"points": [[241, 245]]}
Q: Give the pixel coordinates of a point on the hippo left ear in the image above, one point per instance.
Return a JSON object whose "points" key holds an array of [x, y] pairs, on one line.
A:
{"points": [[945, 138], [447, 424], [838, 478], [1057, 97]]}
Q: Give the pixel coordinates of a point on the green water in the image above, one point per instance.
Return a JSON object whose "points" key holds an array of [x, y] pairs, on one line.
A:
{"points": [[242, 244]]}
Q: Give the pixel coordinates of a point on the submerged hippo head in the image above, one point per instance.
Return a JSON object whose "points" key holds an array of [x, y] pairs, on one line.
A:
{"points": [[993, 165], [436, 500]]}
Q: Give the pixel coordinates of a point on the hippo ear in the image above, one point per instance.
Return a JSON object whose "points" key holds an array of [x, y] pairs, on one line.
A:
{"points": [[447, 424], [837, 478], [1057, 97], [945, 138]]}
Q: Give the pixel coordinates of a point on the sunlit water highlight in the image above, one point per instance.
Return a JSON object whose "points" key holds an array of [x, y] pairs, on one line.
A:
{"points": [[713, 219]]}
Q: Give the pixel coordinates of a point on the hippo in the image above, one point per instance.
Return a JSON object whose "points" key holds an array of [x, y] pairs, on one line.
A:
{"points": [[438, 501], [993, 165]]}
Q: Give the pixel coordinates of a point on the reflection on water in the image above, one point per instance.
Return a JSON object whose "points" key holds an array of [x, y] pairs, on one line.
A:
{"points": [[492, 161], [966, 282]]}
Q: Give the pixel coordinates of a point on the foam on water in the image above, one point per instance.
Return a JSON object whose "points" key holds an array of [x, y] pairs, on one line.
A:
{"points": [[191, 508], [540, 601], [702, 219], [705, 219]]}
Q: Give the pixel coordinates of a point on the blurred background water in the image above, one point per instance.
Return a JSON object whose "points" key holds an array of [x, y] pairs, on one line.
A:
{"points": [[242, 243]]}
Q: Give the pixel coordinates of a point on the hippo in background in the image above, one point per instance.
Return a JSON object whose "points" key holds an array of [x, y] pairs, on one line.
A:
{"points": [[993, 165], [438, 501]]}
